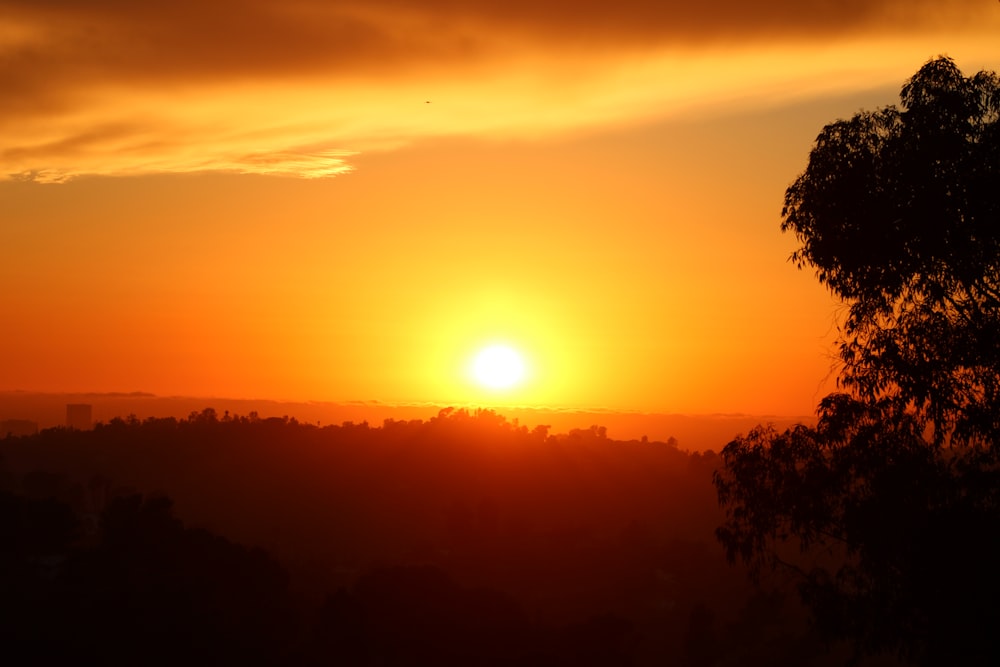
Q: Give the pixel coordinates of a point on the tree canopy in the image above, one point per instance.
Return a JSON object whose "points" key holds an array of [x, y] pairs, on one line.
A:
{"points": [[899, 214], [889, 508]]}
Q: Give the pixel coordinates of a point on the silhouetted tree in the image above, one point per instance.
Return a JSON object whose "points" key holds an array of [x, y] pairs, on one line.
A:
{"points": [[36, 537], [893, 499], [154, 592], [899, 213]]}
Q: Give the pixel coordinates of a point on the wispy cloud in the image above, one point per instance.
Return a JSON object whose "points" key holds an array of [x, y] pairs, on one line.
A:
{"points": [[295, 87]]}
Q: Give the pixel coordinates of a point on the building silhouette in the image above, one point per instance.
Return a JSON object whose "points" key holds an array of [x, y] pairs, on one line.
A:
{"points": [[79, 416]]}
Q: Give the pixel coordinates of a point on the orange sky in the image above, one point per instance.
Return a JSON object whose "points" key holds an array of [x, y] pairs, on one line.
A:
{"points": [[345, 200]]}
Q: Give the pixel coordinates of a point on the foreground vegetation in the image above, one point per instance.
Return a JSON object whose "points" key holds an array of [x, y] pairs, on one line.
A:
{"points": [[891, 502]]}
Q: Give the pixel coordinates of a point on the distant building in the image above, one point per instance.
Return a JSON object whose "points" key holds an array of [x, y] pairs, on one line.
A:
{"points": [[17, 427], [79, 416]]}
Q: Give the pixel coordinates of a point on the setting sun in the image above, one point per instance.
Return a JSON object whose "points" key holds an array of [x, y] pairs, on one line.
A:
{"points": [[304, 218], [498, 367]]}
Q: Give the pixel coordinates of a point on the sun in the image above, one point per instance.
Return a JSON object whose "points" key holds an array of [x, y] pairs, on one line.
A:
{"points": [[498, 367]]}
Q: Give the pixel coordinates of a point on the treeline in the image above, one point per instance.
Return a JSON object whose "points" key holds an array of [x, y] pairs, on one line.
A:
{"points": [[464, 539]]}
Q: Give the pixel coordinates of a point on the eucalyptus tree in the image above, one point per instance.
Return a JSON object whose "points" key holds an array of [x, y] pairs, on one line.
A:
{"points": [[888, 510]]}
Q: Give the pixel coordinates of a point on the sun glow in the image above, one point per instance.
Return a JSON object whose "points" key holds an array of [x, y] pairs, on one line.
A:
{"points": [[498, 367]]}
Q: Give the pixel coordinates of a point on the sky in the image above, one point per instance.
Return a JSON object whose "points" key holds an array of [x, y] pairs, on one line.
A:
{"points": [[345, 201]]}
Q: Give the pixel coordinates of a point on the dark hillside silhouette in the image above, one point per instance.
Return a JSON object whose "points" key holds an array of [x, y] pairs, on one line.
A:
{"points": [[141, 590], [889, 509], [463, 539]]}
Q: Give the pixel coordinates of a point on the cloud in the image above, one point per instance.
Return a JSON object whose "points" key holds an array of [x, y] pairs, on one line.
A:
{"points": [[295, 86]]}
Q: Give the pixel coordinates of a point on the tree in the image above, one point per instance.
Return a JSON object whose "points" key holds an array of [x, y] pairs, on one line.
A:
{"points": [[888, 509]]}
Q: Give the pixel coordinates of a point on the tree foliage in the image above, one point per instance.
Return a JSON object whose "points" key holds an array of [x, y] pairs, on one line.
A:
{"points": [[898, 212], [893, 498]]}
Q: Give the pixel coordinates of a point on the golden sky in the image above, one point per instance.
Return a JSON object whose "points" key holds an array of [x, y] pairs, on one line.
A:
{"points": [[345, 200]]}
